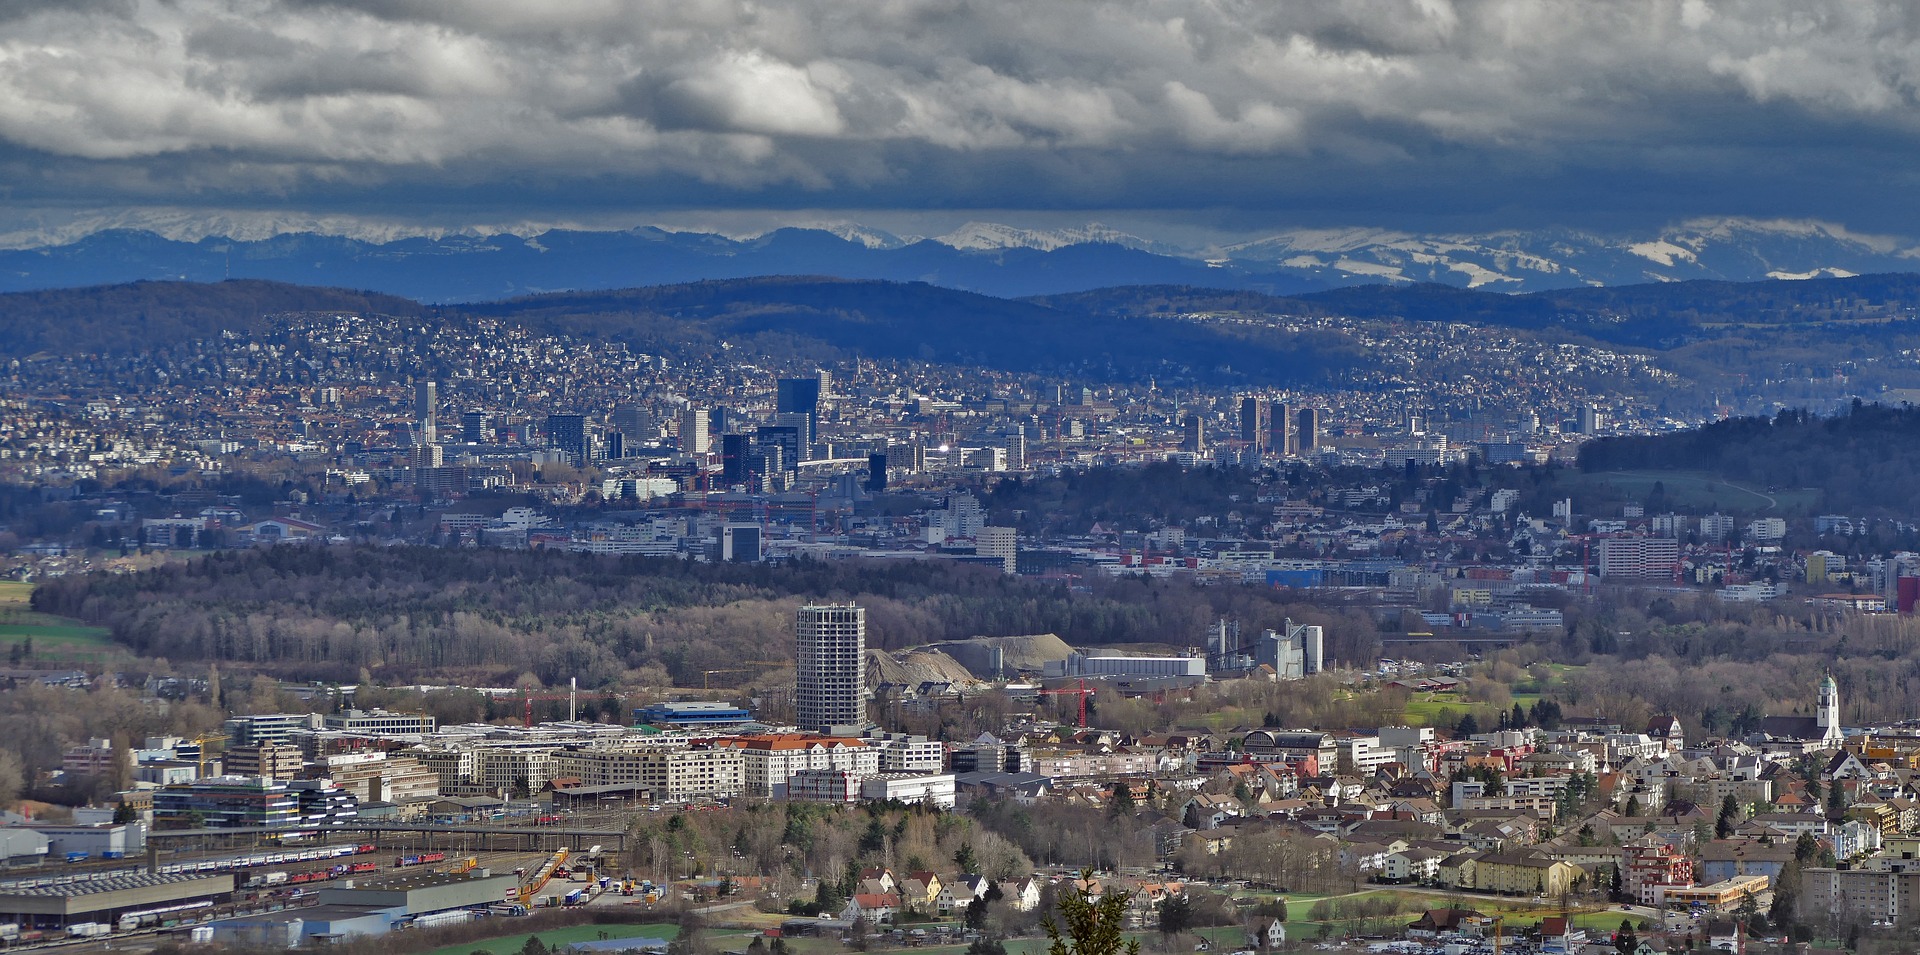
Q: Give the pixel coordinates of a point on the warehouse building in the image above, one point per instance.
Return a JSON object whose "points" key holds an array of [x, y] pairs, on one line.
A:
{"points": [[346, 910], [22, 846], [105, 900]]}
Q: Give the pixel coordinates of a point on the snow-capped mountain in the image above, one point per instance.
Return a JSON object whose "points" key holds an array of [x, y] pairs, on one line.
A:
{"points": [[991, 236], [469, 264], [1730, 249]]}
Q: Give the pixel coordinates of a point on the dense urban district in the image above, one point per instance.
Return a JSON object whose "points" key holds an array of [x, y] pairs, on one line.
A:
{"points": [[399, 631]]}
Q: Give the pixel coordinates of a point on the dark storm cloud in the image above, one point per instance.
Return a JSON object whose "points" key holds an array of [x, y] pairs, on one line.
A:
{"points": [[1542, 109]]}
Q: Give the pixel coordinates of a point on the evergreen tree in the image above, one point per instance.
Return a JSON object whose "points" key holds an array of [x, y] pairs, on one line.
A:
{"points": [[1806, 849], [1729, 815], [1176, 914], [976, 917], [1624, 940], [1786, 896], [1088, 927], [1120, 800]]}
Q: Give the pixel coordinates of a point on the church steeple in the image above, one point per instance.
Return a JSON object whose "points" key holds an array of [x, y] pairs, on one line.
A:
{"points": [[1828, 715]]}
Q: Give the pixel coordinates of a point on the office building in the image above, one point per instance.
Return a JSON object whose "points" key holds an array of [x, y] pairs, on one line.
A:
{"points": [[1591, 420], [740, 543], [633, 421], [426, 412], [736, 451], [272, 760], [474, 428], [876, 472], [831, 680], [1307, 439], [694, 433], [799, 396], [268, 727], [380, 722], [379, 777], [802, 426], [1194, 439], [1256, 424], [568, 432], [785, 437], [226, 802], [1016, 440]]}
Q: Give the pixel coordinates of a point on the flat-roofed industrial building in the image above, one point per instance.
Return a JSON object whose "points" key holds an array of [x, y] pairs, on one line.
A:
{"points": [[105, 900]]}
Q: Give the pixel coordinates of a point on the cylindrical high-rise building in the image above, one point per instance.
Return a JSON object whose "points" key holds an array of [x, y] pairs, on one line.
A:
{"points": [[830, 680]]}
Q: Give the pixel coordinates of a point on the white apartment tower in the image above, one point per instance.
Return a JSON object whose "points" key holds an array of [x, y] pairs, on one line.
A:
{"points": [[831, 678]]}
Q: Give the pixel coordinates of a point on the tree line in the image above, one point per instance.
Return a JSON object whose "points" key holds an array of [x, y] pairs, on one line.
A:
{"points": [[337, 613]]}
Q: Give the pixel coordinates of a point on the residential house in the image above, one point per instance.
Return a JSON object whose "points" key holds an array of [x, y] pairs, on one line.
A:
{"points": [[959, 892], [1021, 895], [1267, 934], [875, 907], [1434, 923], [920, 892]]}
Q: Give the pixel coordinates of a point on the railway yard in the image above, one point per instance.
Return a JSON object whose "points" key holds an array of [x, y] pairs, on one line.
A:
{"points": [[187, 880]]}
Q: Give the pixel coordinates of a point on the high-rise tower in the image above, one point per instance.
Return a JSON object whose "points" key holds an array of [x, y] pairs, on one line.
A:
{"points": [[1256, 424], [694, 438], [831, 667], [426, 411], [1307, 439]]}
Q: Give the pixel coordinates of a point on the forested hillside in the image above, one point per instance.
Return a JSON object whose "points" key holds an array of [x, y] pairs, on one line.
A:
{"points": [[489, 616], [144, 315], [1866, 461]]}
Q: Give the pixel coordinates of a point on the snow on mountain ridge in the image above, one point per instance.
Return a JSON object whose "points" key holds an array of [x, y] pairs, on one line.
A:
{"points": [[993, 236]]}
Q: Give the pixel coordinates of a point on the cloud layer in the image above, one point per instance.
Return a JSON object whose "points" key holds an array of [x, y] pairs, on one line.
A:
{"points": [[1426, 110]]}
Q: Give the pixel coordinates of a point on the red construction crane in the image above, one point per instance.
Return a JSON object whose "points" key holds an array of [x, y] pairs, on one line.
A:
{"points": [[1081, 691]]}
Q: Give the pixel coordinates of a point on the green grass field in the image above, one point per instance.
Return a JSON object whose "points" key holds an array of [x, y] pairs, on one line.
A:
{"points": [[1425, 707], [54, 638], [1695, 490], [15, 595], [507, 944]]}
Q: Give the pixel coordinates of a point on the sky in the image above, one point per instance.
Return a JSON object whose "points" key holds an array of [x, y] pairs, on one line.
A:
{"points": [[1189, 117]]}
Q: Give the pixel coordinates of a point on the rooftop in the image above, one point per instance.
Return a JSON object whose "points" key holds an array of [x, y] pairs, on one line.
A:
{"points": [[114, 883]]}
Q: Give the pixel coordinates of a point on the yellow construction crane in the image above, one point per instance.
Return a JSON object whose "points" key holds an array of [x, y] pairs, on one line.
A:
{"points": [[209, 751]]}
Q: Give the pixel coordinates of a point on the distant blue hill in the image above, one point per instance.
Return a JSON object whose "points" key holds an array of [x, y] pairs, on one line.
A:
{"points": [[468, 269]]}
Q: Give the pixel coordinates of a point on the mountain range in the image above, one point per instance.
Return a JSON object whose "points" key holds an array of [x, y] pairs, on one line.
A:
{"points": [[985, 257]]}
